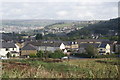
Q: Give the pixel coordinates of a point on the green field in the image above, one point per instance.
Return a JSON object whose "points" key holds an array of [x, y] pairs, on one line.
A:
{"points": [[61, 25], [79, 68]]}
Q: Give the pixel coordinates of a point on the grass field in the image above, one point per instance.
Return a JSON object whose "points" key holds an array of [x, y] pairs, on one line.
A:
{"points": [[61, 25], [79, 68]]}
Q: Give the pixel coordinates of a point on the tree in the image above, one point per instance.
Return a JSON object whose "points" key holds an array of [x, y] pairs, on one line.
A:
{"points": [[91, 51], [32, 55], [38, 36], [40, 54], [57, 54], [47, 54], [8, 55]]}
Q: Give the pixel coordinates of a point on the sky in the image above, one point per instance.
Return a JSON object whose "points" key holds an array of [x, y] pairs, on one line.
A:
{"points": [[59, 9]]}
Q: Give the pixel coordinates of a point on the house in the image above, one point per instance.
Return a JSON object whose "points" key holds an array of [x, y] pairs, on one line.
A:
{"points": [[20, 44], [9, 48], [46, 45], [74, 45], [62, 46], [69, 45], [34, 46], [27, 50], [104, 48], [53, 45]]}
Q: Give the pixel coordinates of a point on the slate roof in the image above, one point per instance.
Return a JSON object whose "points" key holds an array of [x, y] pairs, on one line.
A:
{"points": [[46, 44], [49, 43], [28, 47], [85, 45], [8, 45], [6, 37]]}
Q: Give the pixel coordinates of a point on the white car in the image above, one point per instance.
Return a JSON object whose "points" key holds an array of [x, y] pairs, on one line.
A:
{"points": [[66, 57], [3, 58]]}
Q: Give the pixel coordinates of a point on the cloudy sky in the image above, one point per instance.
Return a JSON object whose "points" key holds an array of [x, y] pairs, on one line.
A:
{"points": [[74, 10]]}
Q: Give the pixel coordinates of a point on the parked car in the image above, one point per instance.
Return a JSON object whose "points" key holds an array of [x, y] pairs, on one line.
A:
{"points": [[3, 58], [66, 57]]}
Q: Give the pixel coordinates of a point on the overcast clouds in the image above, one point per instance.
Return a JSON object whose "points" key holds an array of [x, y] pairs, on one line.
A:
{"points": [[59, 10]]}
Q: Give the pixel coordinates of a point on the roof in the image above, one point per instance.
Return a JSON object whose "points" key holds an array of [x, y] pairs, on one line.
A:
{"points": [[85, 45], [49, 43], [6, 37], [103, 45], [92, 40], [28, 47], [69, 42], [8, 45], [46, 44]]}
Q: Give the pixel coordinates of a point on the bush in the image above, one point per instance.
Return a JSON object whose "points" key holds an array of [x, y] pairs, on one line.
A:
{"points": [[57, 54], [13, 55], [46, 54], [82, 55], [107, 56], [8, 55], [32, 55], [40, 54]]}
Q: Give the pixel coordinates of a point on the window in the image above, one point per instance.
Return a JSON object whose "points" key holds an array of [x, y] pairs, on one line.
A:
{"points": [[101, 49], [7, 49], [13, 48]]}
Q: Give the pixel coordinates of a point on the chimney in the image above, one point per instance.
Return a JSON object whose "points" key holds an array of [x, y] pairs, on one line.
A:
{"points": [[72, 42], [75, 42]]}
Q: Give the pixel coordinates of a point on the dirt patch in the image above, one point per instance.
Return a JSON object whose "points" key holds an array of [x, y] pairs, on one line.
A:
{"points": [[15, 65], [112, 63]]}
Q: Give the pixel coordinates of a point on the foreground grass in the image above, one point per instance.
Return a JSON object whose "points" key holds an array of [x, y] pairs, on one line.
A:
{"points": [[79, 68]]}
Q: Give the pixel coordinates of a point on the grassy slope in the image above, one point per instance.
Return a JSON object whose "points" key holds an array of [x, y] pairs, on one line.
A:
{"points": [[61, 25], [84, 68]]}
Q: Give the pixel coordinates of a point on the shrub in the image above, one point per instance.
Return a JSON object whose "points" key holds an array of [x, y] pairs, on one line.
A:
{"points": [[91, 51], [82, 55], [40, 54], [57, 54], [13, 55], [8, 55], [46, 54], [107, 56], [32, 55]]}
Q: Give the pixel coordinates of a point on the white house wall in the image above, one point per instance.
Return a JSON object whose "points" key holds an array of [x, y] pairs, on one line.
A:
{"points": [[17, 49], [3, 52], [108, 48], [62, 46], [48, 48]]}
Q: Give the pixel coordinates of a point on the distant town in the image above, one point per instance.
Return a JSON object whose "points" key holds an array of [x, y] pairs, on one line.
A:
{"points": [[23, 41]]}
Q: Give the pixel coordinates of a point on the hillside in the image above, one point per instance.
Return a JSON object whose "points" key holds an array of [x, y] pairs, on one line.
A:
{"points": [[28, 23], [102, 27]]}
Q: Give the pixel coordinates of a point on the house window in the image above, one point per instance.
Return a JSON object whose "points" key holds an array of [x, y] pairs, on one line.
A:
{"points": [[7, 49], [101, 49], [13, 48]]}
